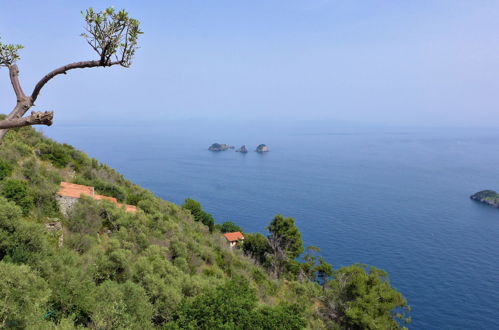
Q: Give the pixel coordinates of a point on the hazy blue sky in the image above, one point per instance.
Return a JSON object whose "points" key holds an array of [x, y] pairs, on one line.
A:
{"points": [[394, 62]]}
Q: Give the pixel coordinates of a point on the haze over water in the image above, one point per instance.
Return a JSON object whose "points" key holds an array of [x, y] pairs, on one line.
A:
{"points": [[395, 198]]}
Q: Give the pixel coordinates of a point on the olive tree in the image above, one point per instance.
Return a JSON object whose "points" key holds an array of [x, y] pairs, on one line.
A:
{"points": [[112, 34]]}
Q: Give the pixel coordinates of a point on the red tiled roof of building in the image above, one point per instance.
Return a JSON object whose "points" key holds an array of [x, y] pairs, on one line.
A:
{"points": [[130, 208], [89, 190], [74, 193], [76, 190], [101, 197], [233, 237]]}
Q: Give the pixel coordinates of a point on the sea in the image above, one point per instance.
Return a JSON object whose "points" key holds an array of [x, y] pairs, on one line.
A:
{"points": [[393, 197]]}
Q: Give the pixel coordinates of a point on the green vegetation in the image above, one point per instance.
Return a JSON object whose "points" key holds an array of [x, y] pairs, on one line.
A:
{"points": [[489, 197], [198, 213], [164, 266], [228, 227]]}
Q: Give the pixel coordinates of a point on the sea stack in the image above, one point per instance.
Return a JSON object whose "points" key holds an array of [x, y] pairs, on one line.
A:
{"points": [[242, 149], [219, 147], [262, 148]]}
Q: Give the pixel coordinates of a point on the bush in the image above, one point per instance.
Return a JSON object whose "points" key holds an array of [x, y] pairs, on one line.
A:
{"points": [[23, 296], [233, 306], [58, 155], [121, 306], [17, 192], [5, 169]]}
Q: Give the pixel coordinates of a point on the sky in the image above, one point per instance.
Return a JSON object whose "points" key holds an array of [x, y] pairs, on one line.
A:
{"points": [[411, 63]]}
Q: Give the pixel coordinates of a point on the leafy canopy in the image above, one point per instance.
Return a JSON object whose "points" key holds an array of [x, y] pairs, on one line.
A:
{"points": [[229, 227], [198, 213], [9, 54], [362, 298], [289, 237], [112, 34]]}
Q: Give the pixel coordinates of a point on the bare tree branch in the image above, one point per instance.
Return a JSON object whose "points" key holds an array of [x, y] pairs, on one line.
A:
{"points": [[63, 70], [36, 118], [14, 79]]}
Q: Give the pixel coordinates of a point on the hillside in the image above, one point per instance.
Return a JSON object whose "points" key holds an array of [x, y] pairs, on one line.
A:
{"points": [[161, 266]]}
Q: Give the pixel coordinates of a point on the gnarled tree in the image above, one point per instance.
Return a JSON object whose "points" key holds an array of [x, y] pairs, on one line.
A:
{"points": [[112, 35]]}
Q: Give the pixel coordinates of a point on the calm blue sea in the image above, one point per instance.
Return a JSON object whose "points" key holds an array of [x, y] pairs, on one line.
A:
{"points": [[396, 198]]}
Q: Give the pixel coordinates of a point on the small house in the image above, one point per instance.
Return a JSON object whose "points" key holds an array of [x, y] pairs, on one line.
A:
{"points": [[234, 238], [69, 193]]}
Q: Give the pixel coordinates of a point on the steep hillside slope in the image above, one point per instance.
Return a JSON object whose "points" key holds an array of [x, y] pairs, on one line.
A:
{"points": [[102, 267]]}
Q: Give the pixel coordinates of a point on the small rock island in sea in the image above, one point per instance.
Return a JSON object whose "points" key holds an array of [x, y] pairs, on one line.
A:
{"points": [[219, 147], [489, 197], [242, 149], [262, 148]]}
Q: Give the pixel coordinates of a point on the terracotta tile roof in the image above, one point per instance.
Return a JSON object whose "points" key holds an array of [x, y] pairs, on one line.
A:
{"points": [[87, 189], [101, 197], [233, 237], [130, 208], [76, 190]]}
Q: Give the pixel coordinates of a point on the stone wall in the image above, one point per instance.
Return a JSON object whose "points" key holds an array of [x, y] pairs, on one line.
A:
{"points": [[66, 203]]}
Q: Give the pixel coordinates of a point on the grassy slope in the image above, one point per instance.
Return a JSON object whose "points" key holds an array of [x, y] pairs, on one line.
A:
{"points": [[159, 249]]}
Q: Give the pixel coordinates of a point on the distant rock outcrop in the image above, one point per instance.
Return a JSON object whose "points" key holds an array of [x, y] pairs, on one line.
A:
{"points": [[242, 149], [489, 197], [262, 148], [219, 147]]}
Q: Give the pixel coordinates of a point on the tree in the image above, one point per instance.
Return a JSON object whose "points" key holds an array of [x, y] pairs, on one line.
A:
{"points": [[229, 227], [256, 246], [112, 34], [362, 298], [324, 272], [287, 233], [198, 213], [285, 243]]}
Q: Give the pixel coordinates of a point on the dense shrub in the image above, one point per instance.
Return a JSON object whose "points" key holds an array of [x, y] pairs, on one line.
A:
{"points": [[5, 169], [57, 154], [23, 297], [233, 306], [17, 191]]}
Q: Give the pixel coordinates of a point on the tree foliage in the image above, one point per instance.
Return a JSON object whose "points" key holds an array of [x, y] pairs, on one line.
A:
{"points": [[198, 213], [229, 227], [287, 234], [362, 298], [9, 53], [256, 246], [5, 169], [18, 192], [233, 306], [112, 35], [23, 297]]}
